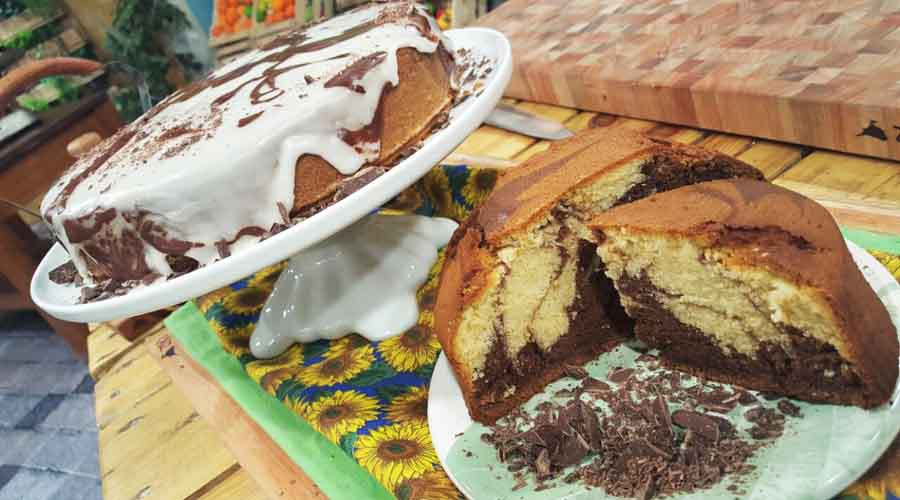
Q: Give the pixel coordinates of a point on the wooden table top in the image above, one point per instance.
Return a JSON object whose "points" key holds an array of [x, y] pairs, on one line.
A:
{"points": [[153, 444]]}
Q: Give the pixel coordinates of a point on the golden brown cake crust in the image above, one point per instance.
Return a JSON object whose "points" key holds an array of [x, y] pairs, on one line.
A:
{"points": [[463, 280], [533, 187], [409, 111], [522, 195], [801, 242]]}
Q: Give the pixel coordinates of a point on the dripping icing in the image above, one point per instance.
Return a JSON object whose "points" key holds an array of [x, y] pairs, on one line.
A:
{"points": [[219, 156]]}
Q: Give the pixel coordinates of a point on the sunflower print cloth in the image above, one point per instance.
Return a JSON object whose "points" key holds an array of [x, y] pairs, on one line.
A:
{"points": [[371, 398]]}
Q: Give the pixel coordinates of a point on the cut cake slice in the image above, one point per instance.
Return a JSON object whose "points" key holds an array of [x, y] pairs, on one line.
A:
{"points": [[749, 283]]}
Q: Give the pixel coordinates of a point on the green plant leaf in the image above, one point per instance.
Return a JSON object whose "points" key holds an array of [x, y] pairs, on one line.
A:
{"points": [[33, 104], [138, 37], [44, 8]]}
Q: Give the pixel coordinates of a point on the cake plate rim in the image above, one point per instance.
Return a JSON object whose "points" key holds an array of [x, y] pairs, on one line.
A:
{"points": [[448, 417], [61, 301]]}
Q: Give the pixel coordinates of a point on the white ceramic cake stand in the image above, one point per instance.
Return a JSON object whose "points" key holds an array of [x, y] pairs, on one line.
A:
{"points": [[61, 301]]}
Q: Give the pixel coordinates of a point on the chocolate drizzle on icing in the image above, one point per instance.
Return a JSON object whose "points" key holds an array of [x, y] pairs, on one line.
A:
{"points": [[348, 76], [247, 120], [197, 174], [223, 246], [157, 236], [265, 89], [85, 227], [103, 152], [369, 134]]}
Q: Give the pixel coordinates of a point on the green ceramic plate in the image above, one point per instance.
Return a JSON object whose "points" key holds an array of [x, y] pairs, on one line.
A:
{"points": [[819, 455]]}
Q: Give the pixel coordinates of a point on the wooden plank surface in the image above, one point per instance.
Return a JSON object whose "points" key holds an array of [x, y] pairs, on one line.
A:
{"points": [[104, 346], [822, 76], [236, 485], [261, 457], [152, 442], [859, 192], [135, 389]]}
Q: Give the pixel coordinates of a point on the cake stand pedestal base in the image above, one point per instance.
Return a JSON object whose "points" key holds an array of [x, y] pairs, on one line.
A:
{"points": [[361, 280]]}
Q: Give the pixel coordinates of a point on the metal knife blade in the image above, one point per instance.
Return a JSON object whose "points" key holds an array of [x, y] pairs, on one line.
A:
{"points": [[516, 120]]}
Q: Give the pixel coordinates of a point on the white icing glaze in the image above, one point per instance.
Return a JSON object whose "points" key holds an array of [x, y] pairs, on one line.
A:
{"points": [[363, 280], [234, 176]]}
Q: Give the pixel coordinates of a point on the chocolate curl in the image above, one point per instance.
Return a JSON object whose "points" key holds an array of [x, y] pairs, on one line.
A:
{"points": [[25, 76]]}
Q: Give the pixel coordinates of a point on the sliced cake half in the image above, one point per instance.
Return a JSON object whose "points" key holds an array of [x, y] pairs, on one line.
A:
{"points": [[750, 283], [521, 297]]}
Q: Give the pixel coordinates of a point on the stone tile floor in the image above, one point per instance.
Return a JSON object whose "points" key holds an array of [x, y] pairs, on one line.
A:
{"points": [[48, 433]]}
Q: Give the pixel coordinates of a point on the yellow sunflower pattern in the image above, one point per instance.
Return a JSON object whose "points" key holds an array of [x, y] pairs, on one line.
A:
{"points": [[340, 413], [235, 338], [266, 278], [341, 363], [415, 348], [410, 407], [205, 302], [397, 452], [371, 398], [270, 373], [432, 485], [890, 261], [246, 301]]}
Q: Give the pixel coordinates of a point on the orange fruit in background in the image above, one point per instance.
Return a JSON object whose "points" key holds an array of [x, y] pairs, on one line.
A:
{"points": [[217, 30]]}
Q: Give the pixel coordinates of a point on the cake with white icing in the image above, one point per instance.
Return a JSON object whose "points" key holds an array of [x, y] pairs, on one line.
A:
{"points": [[274, 135]]}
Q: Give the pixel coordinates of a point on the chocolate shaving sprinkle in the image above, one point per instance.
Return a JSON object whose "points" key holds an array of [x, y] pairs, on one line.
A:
{"points": [[789, 409], [646, 358], [105, 290], [745, 398], [593, 385], [697, 422], [768, 423], [65, 274], [565, 392], [620, 375], [634, 446], [574, 371]]}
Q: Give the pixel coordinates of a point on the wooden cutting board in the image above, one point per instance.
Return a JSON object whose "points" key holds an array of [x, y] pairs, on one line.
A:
{"points": [[823, 73]]}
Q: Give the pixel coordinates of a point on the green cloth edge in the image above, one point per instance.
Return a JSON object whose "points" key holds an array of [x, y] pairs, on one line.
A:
{"points": [[873, 241], [335, 473]]}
